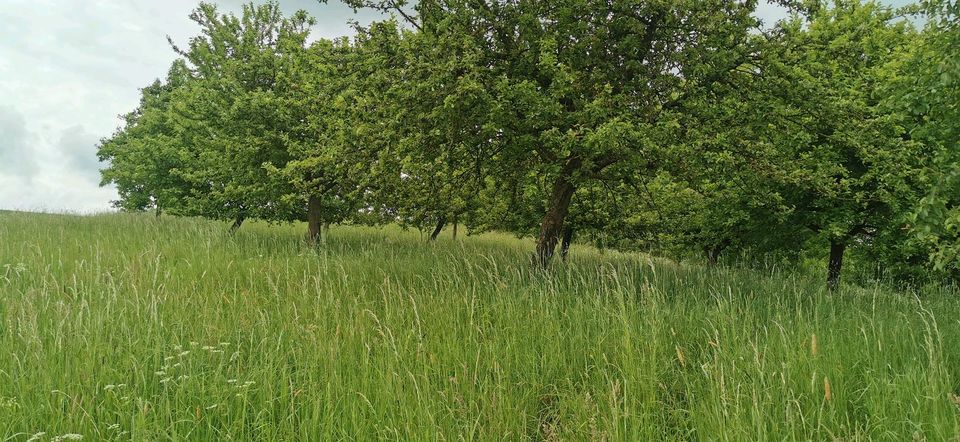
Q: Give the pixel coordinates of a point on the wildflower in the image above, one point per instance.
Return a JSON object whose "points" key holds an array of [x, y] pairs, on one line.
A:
{"points": [[37, 436], [8, 402], [184, 353], [213, 406], [69, 436]]}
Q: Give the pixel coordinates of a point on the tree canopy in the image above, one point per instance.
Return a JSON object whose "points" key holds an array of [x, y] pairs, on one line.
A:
{"points": [[683, 128]]}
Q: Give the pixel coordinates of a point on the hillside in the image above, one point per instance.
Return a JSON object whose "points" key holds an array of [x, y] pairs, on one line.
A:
{"points": [[119, 327]]}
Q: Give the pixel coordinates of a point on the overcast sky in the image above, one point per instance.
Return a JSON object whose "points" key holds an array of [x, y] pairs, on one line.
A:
{"points": [[69, 68]]}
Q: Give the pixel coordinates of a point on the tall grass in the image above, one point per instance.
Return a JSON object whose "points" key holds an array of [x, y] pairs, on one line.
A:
{"points": [[119, 327]]}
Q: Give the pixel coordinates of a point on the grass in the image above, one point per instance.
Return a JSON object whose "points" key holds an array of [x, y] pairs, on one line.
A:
{"points": [[120, 327]]}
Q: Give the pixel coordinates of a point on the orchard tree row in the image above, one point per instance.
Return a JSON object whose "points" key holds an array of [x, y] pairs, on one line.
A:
{"points": [[678, 127]]}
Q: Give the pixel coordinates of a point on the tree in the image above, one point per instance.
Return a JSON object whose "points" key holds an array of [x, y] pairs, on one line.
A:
{"points": [[143, 157], [233, 109], [929, 93], [342, 111], [202, 143], [845, 164]]}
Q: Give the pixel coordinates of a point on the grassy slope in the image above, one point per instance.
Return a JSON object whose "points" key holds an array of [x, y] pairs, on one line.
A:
{"points": [[121, 326]]}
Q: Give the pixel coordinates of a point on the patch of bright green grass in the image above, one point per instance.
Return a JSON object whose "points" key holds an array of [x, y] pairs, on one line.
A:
{"points": [[119, 327]]}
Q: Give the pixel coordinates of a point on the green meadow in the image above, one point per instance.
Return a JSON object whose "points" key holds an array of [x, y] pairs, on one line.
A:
{"points": [[132, 327]]}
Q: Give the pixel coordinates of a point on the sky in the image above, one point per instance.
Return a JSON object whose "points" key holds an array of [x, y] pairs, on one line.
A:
{"points": [[70, 68]]}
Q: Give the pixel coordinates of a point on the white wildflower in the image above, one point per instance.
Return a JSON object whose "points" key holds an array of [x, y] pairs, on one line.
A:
{"points": [[8, 402]]}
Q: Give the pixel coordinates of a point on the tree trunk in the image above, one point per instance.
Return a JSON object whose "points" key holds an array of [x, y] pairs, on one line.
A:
{"points": [[442, 221], [557, 209], [236, 224], [835, 264], [314, 221], [456, 225], [565, 243], [713, 252]]}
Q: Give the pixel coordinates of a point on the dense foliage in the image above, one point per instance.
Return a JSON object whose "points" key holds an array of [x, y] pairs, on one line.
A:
{"points": [[680, 128]]}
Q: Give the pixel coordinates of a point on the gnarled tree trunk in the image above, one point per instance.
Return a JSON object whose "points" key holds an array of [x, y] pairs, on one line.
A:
{"points": [[442, 221], [314, 219], [557, 208], [237, 223], [835, 264]]}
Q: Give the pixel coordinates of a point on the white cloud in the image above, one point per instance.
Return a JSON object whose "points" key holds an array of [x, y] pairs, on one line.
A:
{"points": [[16, 157], [69, 68]]}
